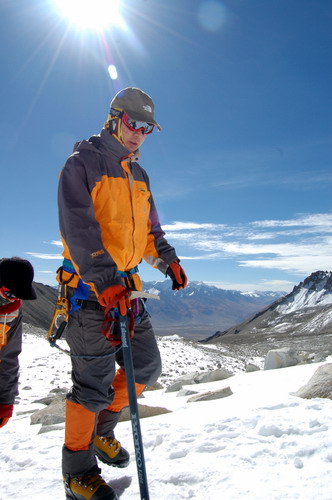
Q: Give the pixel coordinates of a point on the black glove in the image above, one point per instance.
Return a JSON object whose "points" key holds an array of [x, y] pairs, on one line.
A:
{"points": [[177, 275]]}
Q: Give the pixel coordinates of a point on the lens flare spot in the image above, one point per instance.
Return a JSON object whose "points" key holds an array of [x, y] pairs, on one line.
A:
{"points": [[112, 71], [212, 15]]}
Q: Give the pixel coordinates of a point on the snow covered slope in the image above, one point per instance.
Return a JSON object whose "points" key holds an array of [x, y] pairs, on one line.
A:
{"points": [[316, 290], [259, 443]]}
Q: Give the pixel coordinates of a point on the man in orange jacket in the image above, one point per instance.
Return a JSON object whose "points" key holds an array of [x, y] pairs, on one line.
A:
{"points": [[108, 224], [16, 277]]}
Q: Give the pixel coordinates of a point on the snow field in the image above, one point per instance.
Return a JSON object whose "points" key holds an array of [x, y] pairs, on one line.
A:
{"points": [[260, 443]]}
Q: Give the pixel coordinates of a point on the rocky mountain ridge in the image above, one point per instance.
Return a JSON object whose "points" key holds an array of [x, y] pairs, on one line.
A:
{"points": [[306, 311], [315, 290], [39, 312]]}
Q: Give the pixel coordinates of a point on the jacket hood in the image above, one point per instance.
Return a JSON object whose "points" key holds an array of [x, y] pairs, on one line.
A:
{"points": [[80, 145], [104, 143]]}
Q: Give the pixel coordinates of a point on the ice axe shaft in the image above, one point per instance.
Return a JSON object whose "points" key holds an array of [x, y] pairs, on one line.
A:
{"points": [[133, 406]]}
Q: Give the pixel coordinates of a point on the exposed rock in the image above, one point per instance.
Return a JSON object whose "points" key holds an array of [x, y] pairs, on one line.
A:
{"points": [[210, 395], [59, 390], [144, 412], [280, 358], [185, 392], [49, 428], [189, 378], [155, 387], [27, 412], [320, 356], [54, 413], [199, 378], [47, 400], [306, 357], [320, 384], [251, 367], [56, 394], [213, 376], [176, 386]]}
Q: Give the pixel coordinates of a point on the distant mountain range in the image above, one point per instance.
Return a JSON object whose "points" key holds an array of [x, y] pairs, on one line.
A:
{"points": [[196, 311], [306, 311], [206, 312], [201, 308]]}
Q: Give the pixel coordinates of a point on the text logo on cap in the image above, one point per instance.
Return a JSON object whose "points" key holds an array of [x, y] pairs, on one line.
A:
{"points": [[147, 108]]}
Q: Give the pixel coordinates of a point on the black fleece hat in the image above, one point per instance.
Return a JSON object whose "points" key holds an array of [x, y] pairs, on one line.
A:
{"points": [[17, 275]]}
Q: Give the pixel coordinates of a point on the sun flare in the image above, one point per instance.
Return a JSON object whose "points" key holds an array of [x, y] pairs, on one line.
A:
{"points": [[91, 15]]}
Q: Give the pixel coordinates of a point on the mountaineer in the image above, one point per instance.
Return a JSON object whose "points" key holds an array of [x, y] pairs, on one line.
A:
{"points": [[108, 224]]}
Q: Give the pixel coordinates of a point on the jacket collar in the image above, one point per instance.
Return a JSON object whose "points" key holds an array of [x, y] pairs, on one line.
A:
{"points": [[110, 144]]}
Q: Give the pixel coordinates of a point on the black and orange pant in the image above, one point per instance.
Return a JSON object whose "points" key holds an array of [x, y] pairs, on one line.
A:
{"points": [[99, 390]]}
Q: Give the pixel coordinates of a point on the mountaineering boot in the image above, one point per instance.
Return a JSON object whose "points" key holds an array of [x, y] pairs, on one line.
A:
{"points": [[110, 451], [88, 488]]}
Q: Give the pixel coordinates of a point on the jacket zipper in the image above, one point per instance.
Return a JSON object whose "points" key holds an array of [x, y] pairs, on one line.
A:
{"points": [[130, 179]]}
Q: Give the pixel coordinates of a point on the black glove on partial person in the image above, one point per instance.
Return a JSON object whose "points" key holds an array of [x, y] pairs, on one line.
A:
{"points": [[177, 275]]}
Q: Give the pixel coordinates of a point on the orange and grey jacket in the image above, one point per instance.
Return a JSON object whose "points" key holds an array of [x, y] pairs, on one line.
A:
{"points": [[108, 220]]}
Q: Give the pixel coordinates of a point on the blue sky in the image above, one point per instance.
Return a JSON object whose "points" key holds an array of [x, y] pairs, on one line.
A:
{"points": [[241, 172]]}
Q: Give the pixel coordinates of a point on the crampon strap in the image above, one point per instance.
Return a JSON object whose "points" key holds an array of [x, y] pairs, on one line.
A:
{"points": [[111, 315]]}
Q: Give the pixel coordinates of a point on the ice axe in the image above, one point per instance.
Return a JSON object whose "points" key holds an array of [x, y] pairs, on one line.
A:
{"points": [[133, 406]]}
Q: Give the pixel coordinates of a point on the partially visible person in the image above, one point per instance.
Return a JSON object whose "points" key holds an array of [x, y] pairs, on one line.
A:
{"points": [[16, 276]]}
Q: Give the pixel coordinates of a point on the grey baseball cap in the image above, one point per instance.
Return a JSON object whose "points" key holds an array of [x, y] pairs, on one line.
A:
{"points": [[136, 103]]}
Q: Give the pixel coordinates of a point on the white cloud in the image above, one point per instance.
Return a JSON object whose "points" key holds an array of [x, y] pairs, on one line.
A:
{"points": [[184, 226], [46, 256], [278, 283], [262, 286], [318, 221], [305, 264], [279, 249], [207, 256], [180, 236], [57, 243], [301, 250], [261, 236]]}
